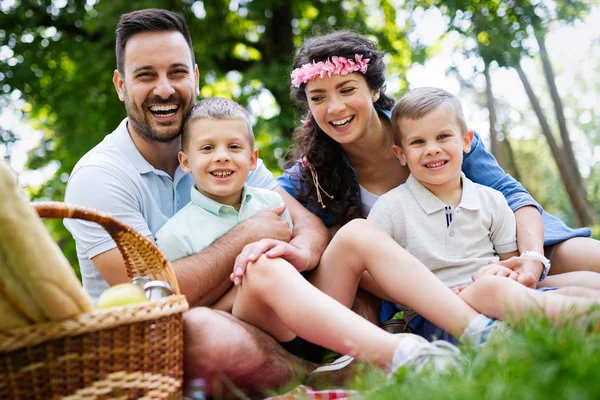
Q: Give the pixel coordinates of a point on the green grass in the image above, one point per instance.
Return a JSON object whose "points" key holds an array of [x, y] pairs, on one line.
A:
{"points": [[534, 360]]}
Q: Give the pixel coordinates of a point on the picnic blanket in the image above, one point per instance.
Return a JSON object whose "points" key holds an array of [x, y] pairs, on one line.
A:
{"points": [[306, 392]]}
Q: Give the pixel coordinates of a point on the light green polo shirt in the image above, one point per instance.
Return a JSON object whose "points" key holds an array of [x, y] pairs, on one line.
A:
{"points": [[203, 220]]}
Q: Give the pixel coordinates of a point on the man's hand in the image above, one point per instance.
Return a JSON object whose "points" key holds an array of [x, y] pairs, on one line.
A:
{"points": [[494, 268], [272, 249], [270, 230], [269, 224]]}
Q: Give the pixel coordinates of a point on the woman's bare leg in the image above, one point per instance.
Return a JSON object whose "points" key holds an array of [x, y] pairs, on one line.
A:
{"points": [[584, 279], [576, 254], [361, 246], [498, 297]]}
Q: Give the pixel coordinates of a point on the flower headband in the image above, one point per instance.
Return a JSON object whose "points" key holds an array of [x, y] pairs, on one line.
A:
{"points": [[335, 66]]}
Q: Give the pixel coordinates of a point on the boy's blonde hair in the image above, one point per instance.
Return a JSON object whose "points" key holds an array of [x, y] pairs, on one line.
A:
{"points": [[420, 102], [216, 108]]}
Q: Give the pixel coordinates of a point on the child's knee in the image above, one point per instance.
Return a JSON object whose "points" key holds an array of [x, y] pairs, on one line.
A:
{"points": [[263, 273], [489, 286]]}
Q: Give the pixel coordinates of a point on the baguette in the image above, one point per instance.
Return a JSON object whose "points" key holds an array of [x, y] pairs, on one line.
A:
{"points": [[34, 274], [12, 317]]}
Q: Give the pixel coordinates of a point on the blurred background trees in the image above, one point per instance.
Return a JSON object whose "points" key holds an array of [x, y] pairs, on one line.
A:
{"points": [[57, 60]]}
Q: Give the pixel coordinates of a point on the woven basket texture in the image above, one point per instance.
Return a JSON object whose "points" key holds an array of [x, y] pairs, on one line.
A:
{"points": [[127, 352]]}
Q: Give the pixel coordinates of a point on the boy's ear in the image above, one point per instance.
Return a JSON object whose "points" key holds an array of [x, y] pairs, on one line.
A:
{"points": [[183, 161], [119, 83], [467, 140], [399, 154], [253, 159]]}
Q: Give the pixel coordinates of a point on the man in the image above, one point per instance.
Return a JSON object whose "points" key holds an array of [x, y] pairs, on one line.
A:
{"points": [[134, 174]]}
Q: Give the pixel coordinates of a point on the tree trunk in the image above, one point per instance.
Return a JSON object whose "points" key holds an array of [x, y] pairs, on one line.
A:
{"points": [[512, 163], [558, 107], [495, 144], [567, 172]]}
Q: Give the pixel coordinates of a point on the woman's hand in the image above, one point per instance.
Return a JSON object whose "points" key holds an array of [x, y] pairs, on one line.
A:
{"points": [[520, 269], [495, 268], [528, 269]]}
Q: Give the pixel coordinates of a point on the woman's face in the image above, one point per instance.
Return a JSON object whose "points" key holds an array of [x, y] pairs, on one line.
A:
{"points": [[342, 105]]}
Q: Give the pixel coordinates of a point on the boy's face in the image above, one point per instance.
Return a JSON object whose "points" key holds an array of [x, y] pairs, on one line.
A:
{"points": [[433, 147], [219, 156]]}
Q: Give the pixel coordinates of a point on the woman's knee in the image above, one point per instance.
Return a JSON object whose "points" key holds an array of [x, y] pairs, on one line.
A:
{"points": [[355, 233]]}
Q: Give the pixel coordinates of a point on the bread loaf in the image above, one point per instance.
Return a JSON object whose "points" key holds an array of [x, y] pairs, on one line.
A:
{"points": [[34, 274], [12, 317]]}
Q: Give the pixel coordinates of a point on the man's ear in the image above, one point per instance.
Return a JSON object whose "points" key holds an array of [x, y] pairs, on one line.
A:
{"points": [[467, 140], [119, 83], [253, 159], [197, 74], [183, 161], [399, 154]]}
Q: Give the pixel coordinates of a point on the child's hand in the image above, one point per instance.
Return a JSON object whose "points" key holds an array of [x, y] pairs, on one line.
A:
{"points": [[459, 289], [494, 268]]}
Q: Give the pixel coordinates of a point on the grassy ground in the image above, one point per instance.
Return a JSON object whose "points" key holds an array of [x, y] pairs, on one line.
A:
{"points": [[534, 360]]}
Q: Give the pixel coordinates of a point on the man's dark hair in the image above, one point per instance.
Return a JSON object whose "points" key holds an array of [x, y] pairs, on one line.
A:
{"points": [[149, 20]]}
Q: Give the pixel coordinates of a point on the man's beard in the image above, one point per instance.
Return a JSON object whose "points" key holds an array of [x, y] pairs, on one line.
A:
{"points": [[144, 128], [150, 134]]}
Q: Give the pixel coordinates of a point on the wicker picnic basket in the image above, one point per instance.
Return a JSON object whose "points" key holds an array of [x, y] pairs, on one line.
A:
{"points": [[127, 352]]}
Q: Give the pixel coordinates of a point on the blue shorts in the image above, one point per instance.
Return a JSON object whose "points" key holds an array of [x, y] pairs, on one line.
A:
{"points": [[422, 327]]}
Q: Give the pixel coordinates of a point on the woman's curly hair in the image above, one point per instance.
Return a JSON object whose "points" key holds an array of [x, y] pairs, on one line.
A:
{"points": [[318, 150]]}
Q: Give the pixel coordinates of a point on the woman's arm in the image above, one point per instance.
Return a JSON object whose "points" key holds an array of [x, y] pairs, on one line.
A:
{"points": [[481, 167]]}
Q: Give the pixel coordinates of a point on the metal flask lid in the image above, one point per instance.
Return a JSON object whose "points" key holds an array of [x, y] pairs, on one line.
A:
{"points": [[156, 290]]}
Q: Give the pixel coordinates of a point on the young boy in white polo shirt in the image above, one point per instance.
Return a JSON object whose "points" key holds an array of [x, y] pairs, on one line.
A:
{"points": [[455, 226]]}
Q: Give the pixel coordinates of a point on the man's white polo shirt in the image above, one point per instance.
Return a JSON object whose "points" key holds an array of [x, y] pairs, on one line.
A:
{"points": [[114, 177], [482, 225]]}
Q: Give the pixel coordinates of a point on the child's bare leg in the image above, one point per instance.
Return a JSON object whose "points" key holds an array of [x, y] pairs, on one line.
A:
{"points": [[361, 246], [276, 298], [497, 297], [586, 279]]}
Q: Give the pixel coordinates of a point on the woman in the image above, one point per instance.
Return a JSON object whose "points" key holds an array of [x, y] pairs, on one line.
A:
{"points": [[346, 161]]}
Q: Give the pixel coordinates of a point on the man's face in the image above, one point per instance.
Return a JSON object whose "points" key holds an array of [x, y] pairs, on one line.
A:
{"points": [[160, 84]]}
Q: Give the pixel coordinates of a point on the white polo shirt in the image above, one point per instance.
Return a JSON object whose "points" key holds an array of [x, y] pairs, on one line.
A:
{"points": [[114, 177], [481, 226]]}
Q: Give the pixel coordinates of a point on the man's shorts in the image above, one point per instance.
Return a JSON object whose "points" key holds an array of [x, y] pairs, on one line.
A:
{"points": [[304, 349]]}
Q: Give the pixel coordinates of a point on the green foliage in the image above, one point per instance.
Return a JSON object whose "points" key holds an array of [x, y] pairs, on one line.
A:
{"points": [[534, 360], [58, 57]]}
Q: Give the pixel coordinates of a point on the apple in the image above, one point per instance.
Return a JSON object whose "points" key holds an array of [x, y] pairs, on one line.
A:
{"points": [[120, 295]]}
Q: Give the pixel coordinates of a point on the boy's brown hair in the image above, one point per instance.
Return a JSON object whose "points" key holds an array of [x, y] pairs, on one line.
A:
{"points": [[420, 102], [215, 108]]}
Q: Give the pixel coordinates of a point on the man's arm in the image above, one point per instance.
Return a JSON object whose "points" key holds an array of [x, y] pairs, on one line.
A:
{"points": [[204, 277], [309, 234], [304, 250]]}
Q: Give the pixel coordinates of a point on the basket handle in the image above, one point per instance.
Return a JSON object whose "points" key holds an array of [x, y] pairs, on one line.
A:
{"points": [[140, 254]]}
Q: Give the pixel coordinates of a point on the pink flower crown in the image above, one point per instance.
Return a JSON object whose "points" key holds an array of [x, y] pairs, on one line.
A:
{"points": [[335, 66]]}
